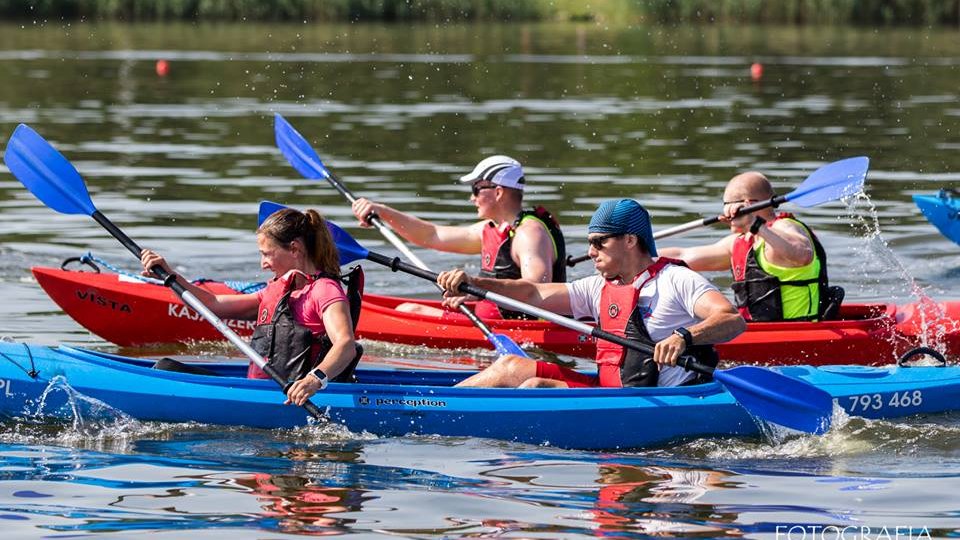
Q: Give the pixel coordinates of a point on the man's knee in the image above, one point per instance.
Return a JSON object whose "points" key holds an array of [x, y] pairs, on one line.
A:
{"points": [[512, 363], [511, 367]]}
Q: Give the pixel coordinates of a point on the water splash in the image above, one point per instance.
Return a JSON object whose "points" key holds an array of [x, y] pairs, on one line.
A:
{"points": [[88, 418], [849, 437], [929, 324]]}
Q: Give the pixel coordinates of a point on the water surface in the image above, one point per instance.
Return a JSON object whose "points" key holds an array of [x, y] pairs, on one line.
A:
{"points": [[665, 115]]}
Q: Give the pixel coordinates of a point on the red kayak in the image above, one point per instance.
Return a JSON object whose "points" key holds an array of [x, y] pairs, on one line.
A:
{"points": [[127, 311]]}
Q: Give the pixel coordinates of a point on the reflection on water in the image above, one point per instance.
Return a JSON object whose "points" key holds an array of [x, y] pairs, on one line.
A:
{"points": [[317, 482], [316, 504], [201, 480]]}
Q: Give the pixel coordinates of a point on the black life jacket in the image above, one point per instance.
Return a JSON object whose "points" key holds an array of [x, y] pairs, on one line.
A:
{"points": [[758, 294], [621, 315], [497, 241], [292, 349]]}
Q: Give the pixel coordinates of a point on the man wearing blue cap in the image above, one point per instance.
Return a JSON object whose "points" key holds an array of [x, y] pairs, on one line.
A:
{"points": [[513, 243], [658, 302]]}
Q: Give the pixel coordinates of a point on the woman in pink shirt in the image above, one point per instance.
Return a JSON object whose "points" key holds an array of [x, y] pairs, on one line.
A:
{"points": [[304, 326]]}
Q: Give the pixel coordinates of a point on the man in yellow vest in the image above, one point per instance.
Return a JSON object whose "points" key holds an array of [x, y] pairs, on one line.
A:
{"points": [[779, 267]]}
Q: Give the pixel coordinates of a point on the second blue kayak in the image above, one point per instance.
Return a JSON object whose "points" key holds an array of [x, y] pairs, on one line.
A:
{"points": [[943, 211]]}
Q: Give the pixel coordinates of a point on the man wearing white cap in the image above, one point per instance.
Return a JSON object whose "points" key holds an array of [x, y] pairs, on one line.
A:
{"points": [[513, 243], [654, 301]]}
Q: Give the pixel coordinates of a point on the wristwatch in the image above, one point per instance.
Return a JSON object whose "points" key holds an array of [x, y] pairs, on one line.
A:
{"points": [[686, 335], [319, 375], [757, 223]]}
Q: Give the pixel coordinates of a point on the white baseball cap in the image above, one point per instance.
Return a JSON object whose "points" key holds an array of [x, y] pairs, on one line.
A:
{"points": [[501, 170]]}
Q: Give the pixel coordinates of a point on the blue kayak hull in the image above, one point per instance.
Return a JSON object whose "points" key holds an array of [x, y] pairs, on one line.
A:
{"points": [[393, 403], [943, 211]]}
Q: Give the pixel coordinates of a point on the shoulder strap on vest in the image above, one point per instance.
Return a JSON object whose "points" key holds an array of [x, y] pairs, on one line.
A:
{"points": [[550, 222], [656, 267], [353, 282]]}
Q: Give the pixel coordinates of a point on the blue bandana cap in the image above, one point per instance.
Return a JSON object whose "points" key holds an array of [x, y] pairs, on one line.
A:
{"points": [[624, 216]]}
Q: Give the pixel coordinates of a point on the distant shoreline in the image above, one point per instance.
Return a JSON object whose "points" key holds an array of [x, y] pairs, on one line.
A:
{"points": [[799, 12]]}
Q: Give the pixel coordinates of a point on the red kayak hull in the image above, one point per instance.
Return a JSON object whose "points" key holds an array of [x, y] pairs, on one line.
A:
{"points": [[129, 312]]}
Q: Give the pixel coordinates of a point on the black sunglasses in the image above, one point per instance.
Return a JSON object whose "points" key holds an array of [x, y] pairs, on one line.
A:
{"points": [[476, 189], [598, 241], [745, 201]]}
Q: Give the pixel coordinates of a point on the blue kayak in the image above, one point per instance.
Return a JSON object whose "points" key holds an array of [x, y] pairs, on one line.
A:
{"points": [[942, 211], [394, 403]]}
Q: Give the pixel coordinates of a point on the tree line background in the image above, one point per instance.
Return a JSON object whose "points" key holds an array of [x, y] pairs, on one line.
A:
{"points": [[863, 12]]}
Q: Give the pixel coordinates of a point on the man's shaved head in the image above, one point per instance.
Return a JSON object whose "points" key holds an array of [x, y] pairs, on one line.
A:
{"points": [[748, 186]]}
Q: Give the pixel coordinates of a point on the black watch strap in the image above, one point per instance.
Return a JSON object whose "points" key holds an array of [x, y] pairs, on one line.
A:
{"points": [[757, 223], [319, 375], [686, 335]]}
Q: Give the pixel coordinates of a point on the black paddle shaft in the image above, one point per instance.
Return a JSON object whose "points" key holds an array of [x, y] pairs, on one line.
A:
{"points": [[170, 280], [395, 264], [771, 203], [749, 209], [372, 218]]}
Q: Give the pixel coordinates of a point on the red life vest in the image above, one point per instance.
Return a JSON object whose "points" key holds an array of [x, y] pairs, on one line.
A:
{"points": [[496, 260], [757, 292], [497, 240], [621, 315], [493, 239], [288, 346]]}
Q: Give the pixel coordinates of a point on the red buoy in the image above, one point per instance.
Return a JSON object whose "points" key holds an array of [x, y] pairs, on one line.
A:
{"points": [[163, 67], [756, 71]]}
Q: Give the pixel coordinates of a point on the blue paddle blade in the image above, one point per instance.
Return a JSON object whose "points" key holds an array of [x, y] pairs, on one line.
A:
{"points": [[779, 399], [46, 173], [504, 345], [297, 150], [267, 208], [831, 182], [349, 249]]}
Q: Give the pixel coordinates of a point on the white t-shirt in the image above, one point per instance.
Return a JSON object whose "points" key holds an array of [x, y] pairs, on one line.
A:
{"points": [[666, 302]]}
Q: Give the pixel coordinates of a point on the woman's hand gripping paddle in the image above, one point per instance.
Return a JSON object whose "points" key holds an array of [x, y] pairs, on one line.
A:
{"points": [[54, 180]]}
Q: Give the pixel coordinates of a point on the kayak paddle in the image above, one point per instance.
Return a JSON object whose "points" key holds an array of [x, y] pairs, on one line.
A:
{"points": [[305, 160], [828, 183], [56, 183], [767, 394]]}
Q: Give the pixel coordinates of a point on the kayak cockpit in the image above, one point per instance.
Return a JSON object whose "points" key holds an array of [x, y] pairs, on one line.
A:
{"points": [[233, 374]]}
